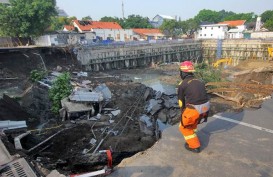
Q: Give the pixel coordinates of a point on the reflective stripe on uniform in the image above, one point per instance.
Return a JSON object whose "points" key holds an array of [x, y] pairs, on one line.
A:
{"points": [[180, 103], [190, 136]]}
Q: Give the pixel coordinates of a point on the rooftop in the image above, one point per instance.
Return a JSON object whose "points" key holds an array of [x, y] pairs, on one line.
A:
{"points": [[233, 23], [89, 25], [69, 27], [144, 31], [167, 17]]}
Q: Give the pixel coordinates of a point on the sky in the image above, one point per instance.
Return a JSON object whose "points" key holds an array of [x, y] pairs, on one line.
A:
{"points": [[185, 9]]}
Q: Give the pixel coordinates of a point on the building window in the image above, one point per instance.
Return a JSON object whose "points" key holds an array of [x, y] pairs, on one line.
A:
{"points": [[118, 36], [109, 35], [125, 36], [200, 34], [211, 28], [205, 35], [205, 27], [211, 35], [219, 26]]}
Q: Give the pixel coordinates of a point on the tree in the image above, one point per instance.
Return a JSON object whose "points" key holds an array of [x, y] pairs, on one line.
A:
{"points": [[57, 23], [224, 14], [267, 15], [267, 18], [26, 18], [206, 15], [241, 16], [120, 21], [169, 27], [61, 88], [192, 26], [269, 24], [136, 21], [109, 19], [87, 18]]}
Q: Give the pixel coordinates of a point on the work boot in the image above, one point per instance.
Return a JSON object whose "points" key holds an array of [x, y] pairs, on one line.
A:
{"points": [[195, 150]]}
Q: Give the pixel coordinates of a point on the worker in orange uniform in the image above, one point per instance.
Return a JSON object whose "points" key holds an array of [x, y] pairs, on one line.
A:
{"points": [[194, 103]]}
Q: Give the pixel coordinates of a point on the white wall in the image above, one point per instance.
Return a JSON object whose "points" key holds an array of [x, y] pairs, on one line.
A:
{"points": [[212, 32], [262, 35], [236, 35], [46, 40], [117, 34], [76, 26], [241, 27]]}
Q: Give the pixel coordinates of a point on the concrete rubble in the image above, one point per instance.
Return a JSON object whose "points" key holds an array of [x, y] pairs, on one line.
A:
{"points": [[88, 114], [12, 125]]}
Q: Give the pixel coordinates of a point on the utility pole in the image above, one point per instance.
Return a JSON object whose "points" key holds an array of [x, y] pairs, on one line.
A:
{"points": [[122, 9]]}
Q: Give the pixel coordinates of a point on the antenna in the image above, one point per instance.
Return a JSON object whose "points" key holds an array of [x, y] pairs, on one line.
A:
{"points": [[122, 9]]}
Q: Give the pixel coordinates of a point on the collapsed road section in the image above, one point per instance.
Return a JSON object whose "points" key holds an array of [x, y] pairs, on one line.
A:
{"points": [[112, 115]]}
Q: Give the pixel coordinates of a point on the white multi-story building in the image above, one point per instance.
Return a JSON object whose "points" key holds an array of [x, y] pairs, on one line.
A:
{"points": [[237, 27], [213, 31]]}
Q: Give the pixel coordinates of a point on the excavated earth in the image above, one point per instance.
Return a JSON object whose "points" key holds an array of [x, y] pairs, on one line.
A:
{"points": [[70, 150]]}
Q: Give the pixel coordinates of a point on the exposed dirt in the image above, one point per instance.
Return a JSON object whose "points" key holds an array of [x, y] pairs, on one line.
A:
{"points": [[64, 151]]}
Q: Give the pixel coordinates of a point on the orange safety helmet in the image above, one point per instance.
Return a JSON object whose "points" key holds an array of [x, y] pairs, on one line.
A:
{"points": [[187, 67]]}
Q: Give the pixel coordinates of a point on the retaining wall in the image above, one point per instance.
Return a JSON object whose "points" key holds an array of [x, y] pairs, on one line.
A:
{"points": [[237, 49], [135, 56]]}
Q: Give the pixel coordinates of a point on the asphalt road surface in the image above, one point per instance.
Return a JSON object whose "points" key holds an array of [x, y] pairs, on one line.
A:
{"points": [[233, 145]]}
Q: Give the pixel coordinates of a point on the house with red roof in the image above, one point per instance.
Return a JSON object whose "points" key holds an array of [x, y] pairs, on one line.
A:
{"points": [[87, 26], [236, 28], [148, 34], [102, 30], [113, 31], [240, 24], [68, 28], [222, 30]]}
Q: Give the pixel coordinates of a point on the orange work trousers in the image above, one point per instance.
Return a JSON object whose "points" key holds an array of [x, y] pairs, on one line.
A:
{"points": [[189, 127]]}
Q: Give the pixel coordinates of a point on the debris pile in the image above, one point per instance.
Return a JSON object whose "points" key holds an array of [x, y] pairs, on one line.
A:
{"points": [[249, 88], [111, 115]]}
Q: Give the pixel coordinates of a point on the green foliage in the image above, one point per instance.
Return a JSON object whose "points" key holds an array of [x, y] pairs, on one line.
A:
{"points": [[109, 19], [207, 73], [36, 75], [241, 16], [61, 88], [133, 21], [120, 21], [168, 27], [206, 15], [136, 21], [267, 15], [57, 23], [267, 18], [224, 14], [190, 26], [269, 24], [26, 18], [87, 18]]}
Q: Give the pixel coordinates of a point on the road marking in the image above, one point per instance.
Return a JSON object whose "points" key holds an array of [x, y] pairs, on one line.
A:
{"points": [[243, 123]]}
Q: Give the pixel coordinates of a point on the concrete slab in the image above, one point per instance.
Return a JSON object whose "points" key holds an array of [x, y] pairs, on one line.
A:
{"points": [[5, 156], [228, 149]]}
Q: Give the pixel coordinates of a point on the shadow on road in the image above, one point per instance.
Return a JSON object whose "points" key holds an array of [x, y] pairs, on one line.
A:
{"points": [[217, 126]]}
